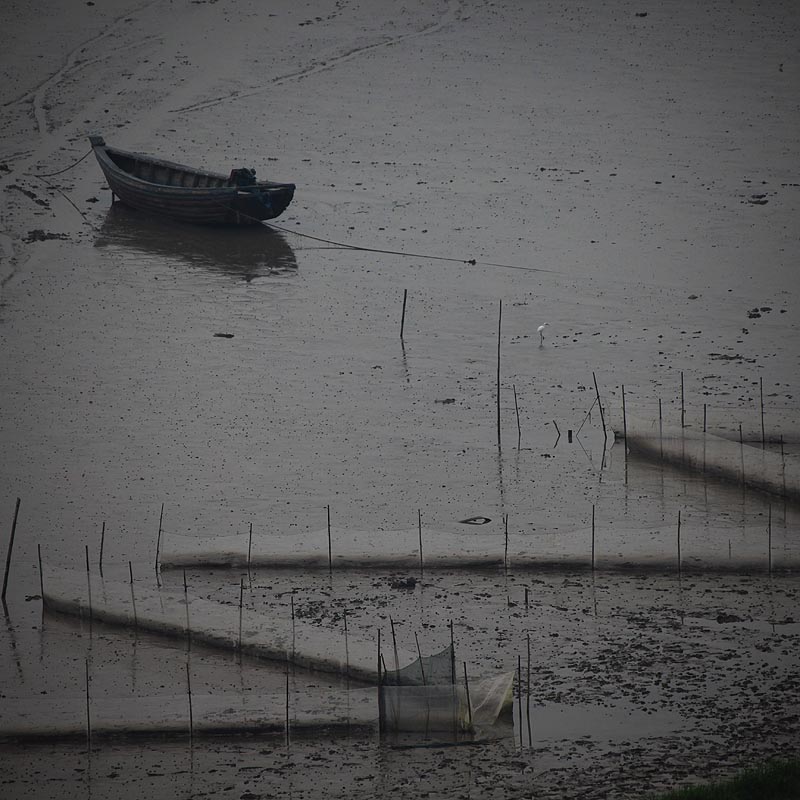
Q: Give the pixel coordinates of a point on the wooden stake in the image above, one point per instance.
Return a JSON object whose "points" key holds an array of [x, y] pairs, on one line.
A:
{"points": [[41, 573], [519, 695], [769, 540], [683, 407], [761, 392], [241, 600], [403, 317], [516, 409], [381, 721], [600, 405], [10, 548], [499, 327], [158, 540], [528, 694], [505, 551], [624, 421], [133, 599], [705, 409], [346, 648], [466, 687], [249, 549], [419, 526], [394, 646], [660, 431], [330, 551], [287, 703], [88, 714], [191, 711], [679, 542], [419, 655], [592, 537], [452, 653], [89, 586], [102, 543]]}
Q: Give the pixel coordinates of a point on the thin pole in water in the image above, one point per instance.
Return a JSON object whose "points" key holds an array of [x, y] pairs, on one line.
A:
{"points": [[519, 695], [133, 599], [419, 526], [330, 550], [419, 655], [660, 430], [41, 573], [624, 421], [346, 648], [403, 317], [241, 602], [683, 407], [600, 406], [89, 588], [592, 537], [466, 687], [679, 542], [769, 539], [102, 544], [394, 645], [191, 711], [88, 713], [249, 551], [158, 540], [516, 409], [499, 328], [381, 721], [287, 702], [761, 392], [452, 652], [10, 548], [505, 551], [528, 694]]}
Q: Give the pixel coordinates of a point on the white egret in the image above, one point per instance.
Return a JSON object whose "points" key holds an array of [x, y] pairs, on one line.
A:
{"points": [[540, 331]]}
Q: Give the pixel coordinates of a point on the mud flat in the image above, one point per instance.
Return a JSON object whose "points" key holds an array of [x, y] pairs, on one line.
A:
{"points": [[575, 164]]}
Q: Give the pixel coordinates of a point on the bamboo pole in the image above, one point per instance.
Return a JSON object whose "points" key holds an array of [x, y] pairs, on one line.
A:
{"points": [[419, 526], [88, 712], [499, 328], [191, 711], [466, 687], [102, 544], [41, 572], [761, 393], [683, 406], [624, 421], [679, 542], [600, 406], [592, 537], [10, 549], [330, 550], [516, 409], [158, 540], [403, 317], [89, 588]]}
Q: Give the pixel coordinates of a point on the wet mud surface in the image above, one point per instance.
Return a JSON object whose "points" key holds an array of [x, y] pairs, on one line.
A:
{"points": [[642, 198]]}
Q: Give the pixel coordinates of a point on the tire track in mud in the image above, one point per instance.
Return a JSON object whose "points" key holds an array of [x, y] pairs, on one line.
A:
{"points": [[453, 13]]}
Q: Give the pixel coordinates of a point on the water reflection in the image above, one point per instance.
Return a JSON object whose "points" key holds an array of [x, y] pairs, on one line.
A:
{"points": [[246, 253]]}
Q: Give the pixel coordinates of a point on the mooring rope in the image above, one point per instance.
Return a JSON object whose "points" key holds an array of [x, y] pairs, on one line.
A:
{"points": [[51, 174], [471, 261]]}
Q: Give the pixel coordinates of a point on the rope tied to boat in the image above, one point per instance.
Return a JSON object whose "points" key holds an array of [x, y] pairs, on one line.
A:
{"points": [[59, 172]]}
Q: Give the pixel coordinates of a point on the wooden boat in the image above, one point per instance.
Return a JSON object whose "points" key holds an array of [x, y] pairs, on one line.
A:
{"points": [[188, 194]]}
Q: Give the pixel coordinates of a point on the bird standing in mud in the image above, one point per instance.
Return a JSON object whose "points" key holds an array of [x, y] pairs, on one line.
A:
{"points": [[540, 331]]}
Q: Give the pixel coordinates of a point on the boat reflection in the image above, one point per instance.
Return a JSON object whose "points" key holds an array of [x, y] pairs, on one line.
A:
{"points": [[245, 253]]}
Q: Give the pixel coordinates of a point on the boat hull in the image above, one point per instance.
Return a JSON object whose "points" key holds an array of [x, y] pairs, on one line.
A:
{"points": [[199, 204]]}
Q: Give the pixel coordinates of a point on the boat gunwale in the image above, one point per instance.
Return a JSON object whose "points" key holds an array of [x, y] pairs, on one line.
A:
{"points": [[104, 152]]}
